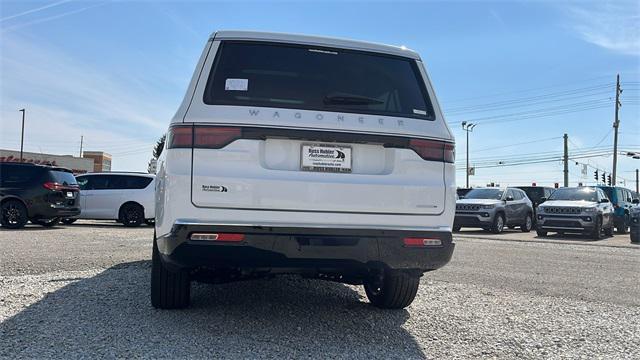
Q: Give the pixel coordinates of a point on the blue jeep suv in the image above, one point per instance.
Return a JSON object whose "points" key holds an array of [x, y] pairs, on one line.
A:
{"points": [[622, 201]]}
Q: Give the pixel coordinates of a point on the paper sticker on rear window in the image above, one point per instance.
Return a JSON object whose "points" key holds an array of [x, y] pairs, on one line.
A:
{"points": [[419, 112], [236, 84]]}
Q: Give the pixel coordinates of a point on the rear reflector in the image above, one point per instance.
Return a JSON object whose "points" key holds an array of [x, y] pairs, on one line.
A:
{"points": [[421, 242], [217, 237], [433, 150]]}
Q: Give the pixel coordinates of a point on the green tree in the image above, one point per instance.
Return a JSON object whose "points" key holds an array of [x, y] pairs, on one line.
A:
{"points": [[157, 149]]}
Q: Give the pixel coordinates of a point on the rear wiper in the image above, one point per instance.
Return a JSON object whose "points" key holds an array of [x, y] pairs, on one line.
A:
{"points": [[348, 99]]}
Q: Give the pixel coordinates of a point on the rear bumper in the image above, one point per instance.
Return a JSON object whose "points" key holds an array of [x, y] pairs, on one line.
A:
{"points": [[303, 249], [47, 210]]}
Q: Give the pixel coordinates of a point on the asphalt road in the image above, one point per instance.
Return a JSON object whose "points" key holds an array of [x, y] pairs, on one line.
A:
{"points": [[83, 291]]}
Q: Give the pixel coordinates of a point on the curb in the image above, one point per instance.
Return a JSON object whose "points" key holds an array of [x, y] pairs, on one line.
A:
{"points": [[549, 241]]}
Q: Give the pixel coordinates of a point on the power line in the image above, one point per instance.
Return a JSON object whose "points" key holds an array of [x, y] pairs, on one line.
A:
{"points": [[518, 144], [530, 89], [534, 100], [532, 114]]}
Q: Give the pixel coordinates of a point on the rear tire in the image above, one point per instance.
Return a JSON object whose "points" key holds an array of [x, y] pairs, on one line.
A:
{"points": [[131, 215], [13, 214], [396, 290], [498, 224], [68, 221], [169, 289], [541, 233], [48, 223], [456, 228], [527, 224]]}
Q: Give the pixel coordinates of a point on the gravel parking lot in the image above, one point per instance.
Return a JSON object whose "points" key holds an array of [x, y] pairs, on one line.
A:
{"points": [[83, 291]]}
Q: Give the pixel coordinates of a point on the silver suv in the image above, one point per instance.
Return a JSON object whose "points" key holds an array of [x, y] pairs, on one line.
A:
{"points": [[492, 209], [579, 209]]}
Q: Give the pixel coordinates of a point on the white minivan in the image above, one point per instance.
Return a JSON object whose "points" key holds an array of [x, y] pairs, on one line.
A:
{"points": [[292, 154], [125, 197]]}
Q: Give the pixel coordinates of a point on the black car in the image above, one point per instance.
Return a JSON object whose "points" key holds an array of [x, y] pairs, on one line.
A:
{"points": [[36, 193], [537, 195], [462, 192]]}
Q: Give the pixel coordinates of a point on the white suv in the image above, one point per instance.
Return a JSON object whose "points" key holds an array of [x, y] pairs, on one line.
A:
{"points": [[125, 197], [295, 154]]}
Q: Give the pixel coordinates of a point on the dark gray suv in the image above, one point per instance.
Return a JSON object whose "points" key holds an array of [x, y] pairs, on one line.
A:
{"points": [[492, 209]]}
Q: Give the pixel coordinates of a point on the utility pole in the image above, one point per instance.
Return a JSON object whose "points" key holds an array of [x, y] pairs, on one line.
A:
{"points": [[637, 182], [22, 135], [616, 123], [468, 127], [81, 140], [566, 160]]}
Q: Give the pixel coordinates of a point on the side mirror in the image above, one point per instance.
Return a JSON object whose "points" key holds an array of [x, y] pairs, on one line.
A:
{"points": [[509, 198], [635, 201], [461, 197], [543, 199], [603, 201]]}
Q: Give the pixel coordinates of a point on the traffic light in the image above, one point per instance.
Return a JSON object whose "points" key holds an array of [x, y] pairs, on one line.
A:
{"points": [[609, 179], [595, 175], [556, 185], [603, 178]]}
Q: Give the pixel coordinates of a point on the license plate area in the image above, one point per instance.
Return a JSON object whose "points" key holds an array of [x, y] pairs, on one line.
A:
{"points": [[325, 158]]}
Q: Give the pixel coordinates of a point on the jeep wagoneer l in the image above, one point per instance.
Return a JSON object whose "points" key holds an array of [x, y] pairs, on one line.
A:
{"points": [[294, 154]]}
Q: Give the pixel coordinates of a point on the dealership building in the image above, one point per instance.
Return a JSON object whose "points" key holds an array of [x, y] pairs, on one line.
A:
{"points": [[91, 161]]}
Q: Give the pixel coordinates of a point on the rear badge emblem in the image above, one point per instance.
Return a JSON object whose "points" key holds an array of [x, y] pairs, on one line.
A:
{"points": [[214, 188]]}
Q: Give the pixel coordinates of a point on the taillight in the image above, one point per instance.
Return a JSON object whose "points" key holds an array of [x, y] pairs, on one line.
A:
{"points": [[215, 137], [53, 186], [433, 150], [204, 137], [180, 137]]}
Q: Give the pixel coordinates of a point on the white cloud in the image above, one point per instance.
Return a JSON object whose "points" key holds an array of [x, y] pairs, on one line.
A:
{"points": [[66, 98], [612, 25]]}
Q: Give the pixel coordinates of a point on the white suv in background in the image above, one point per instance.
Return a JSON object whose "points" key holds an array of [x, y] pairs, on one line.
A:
{"points": [[295, 154], [125, 197]]}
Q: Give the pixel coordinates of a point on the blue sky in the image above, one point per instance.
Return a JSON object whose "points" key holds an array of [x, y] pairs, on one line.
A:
{"points": [[526, 72]]}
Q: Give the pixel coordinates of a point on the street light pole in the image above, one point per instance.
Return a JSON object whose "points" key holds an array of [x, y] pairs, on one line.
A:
{"points": [[22, 135], [468, 127]]}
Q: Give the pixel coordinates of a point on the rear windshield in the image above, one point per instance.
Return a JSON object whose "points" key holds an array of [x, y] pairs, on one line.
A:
{"points": [[312, 78], [63, 177], [581, 194], [495, 194]]}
